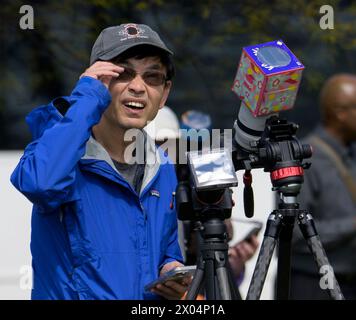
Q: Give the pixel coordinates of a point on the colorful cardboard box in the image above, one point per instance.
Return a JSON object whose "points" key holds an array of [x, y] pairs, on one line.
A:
{"points": [[268, 78]]}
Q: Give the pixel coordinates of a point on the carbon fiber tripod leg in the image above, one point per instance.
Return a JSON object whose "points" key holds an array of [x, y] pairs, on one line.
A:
{"points": [[261, 269], [307, 226], [264, 257]]}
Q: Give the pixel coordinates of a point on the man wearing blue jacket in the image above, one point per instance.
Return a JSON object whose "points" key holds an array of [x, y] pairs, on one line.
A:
{"points": [[103, 222]]}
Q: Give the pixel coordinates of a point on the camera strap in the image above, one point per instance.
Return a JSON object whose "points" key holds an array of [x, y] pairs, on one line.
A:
{"points": [[340, 166]]}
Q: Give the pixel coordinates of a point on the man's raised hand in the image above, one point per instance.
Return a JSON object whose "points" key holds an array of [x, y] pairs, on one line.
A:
{"points": [[103, 71]]}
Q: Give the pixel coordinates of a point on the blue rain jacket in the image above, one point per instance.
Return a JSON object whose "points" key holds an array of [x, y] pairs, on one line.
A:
{"points": [[93, 236]]}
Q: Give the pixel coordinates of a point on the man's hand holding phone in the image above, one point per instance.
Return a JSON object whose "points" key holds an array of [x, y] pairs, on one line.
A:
{"points": [[172, 290]]}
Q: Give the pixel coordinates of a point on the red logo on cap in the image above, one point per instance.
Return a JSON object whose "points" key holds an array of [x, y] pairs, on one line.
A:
{"points": [[131, 30]]}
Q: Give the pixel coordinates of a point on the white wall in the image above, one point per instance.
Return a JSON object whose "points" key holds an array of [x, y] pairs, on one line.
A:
{"points": [[15, 221], [264, 205]]}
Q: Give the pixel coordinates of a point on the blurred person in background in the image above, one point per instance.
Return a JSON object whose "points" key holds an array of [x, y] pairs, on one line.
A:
{"points": [[329, 193]]}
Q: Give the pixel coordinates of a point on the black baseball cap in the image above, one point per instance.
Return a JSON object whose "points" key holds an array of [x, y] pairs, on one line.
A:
{"points": [[113, 41]]}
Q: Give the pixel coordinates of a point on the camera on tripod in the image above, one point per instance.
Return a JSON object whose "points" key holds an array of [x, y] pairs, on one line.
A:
{"points": [[267, 81], [205, 198]]}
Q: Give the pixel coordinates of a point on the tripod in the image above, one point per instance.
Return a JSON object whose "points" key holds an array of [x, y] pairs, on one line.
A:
{"points": [[279, 228], [279, 152], [213, 270]]}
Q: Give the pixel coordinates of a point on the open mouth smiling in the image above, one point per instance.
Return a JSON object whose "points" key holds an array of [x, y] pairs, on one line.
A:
{"points": [[136, 105]]}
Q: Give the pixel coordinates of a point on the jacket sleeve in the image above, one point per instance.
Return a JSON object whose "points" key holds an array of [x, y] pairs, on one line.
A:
{"points": [[47, 170]]}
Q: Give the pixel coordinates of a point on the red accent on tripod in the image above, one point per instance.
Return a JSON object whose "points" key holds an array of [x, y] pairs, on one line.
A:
{"points": [[247, 178], [286, 172]]}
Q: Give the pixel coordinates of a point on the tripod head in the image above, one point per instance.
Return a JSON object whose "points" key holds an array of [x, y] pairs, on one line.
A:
{"points": [[279, 152]]}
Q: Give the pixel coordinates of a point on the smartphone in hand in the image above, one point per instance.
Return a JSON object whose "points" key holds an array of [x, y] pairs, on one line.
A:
{"points": [[253, 232], [245, 229], [177, 274]]}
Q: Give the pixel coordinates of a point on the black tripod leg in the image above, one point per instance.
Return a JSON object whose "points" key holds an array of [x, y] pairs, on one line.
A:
{"points": [[210, 280], [284, 257], [264, 258], [222, 276], [307, 226], [197, 282], [233, 286]]}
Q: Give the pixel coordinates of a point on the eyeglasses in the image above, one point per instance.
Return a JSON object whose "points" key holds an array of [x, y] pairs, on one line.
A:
{"points": [[151, 78]]}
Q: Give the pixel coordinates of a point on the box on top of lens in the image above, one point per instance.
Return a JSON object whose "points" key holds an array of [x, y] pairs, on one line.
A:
{"points": [[268, 78]]}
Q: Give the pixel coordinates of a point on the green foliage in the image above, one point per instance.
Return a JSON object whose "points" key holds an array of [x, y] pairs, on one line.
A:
{"points": [[207, 37]]}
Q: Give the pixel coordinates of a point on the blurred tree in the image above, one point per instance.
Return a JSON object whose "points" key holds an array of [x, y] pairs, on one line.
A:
{"points": [[206, 36]]}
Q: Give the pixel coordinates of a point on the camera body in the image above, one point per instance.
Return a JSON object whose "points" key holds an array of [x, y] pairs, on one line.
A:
{"points": [[204, 192], [202, 205]]}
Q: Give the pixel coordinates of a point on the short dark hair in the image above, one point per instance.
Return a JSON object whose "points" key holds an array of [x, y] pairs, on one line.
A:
{"points": [[143, 51]]}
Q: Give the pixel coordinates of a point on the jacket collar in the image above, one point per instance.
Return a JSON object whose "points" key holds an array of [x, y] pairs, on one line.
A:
{"points": [[145, 150]]}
